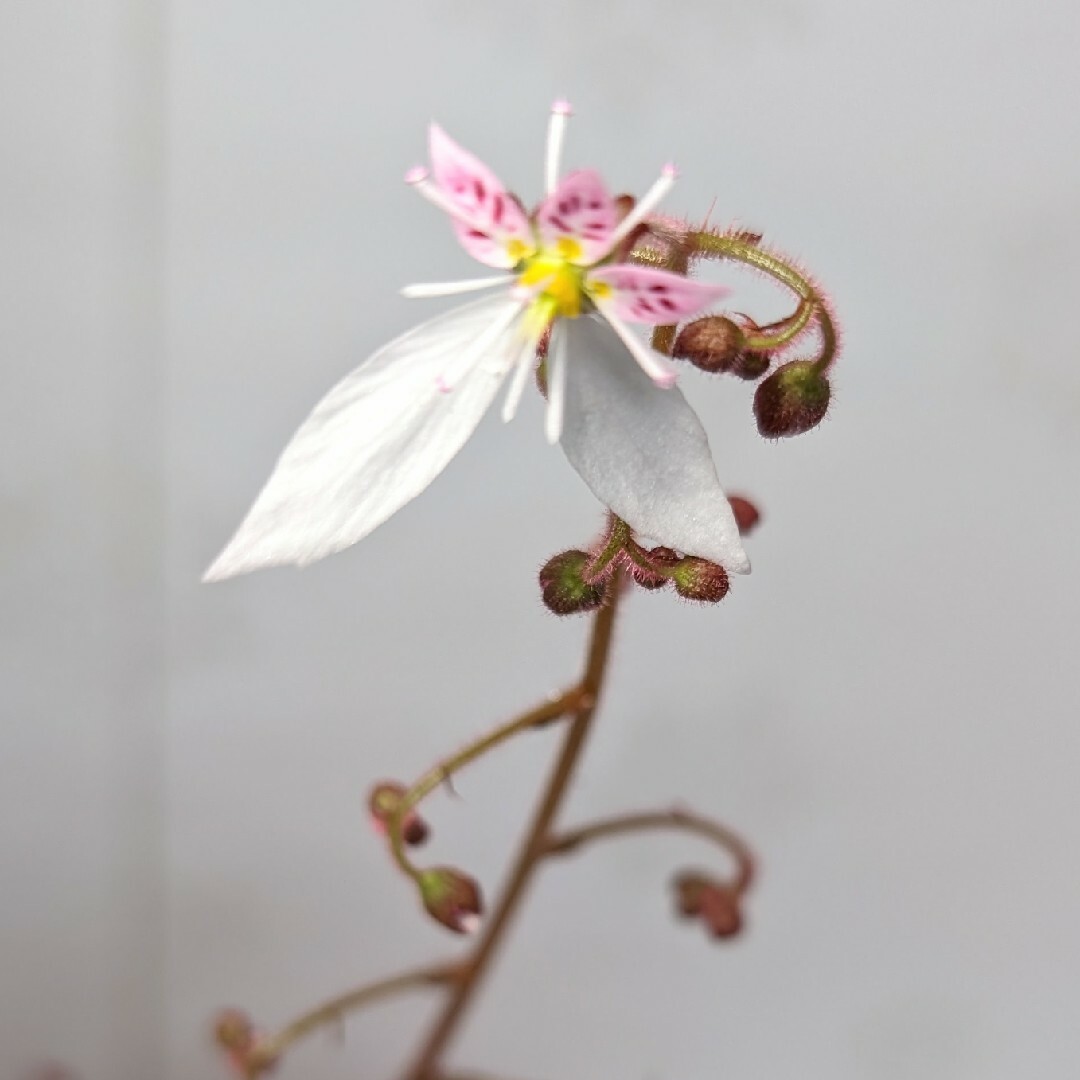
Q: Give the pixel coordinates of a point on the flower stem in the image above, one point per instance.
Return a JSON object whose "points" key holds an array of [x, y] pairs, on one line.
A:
{"points": [[677, 818], [336, 1008], [534, 844], [707, 244], [544, 713]]}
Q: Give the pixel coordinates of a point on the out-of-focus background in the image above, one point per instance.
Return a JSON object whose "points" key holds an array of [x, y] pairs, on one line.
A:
{"points": [[202, 226]]}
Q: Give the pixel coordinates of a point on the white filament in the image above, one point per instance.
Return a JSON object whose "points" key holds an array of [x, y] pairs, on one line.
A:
{"points": [[648, 359]]}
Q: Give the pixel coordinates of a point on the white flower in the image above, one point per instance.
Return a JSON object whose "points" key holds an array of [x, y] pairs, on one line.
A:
{"points": [[388, 429]]}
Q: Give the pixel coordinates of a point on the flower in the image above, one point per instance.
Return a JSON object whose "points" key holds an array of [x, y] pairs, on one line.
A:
{"points": [[388, 429]]}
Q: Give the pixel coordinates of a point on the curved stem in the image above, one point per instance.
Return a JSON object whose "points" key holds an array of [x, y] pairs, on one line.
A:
{"points": [[534, 845], [706, 244], [441, 773], [335, 1009], [685, 820]]}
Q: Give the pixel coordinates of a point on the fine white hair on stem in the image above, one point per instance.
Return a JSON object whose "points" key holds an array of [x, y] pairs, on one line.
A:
{"points": [[646, 204], [560, 112], [556, 384], [523, 365], [648, 359], [453, 288]]}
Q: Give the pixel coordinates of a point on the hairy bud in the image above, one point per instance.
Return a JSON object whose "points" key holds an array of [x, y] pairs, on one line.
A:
{"points": [[662, 558], [699, 579], [383, 803], [793, 399], [565, 590], [451, 897], [747, 515], [711, 343], [715, 904], [718, 344]]}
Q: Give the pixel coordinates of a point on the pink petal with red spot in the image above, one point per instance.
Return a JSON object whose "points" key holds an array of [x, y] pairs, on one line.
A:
{"points": [[490, 217], [579, 209], [657, 297]]}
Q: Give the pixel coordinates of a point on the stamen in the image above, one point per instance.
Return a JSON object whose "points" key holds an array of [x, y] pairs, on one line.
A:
{"points": [[645, 205], [452, 288], [560, 112], [446, 380], [648, 359], [522, 369], [556, 384], [417, 177]]}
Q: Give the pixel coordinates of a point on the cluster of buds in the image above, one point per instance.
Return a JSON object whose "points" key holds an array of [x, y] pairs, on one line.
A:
{"points": [[383, 804], [790, 401], [249, 1053], [718, 344], [575, 581], [451, 897], [716, 904]]}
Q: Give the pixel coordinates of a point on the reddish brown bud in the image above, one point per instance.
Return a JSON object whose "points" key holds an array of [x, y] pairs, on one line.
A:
{"points": [[233, 1031], [451, 897], [699, 579], [793, 399], [383, 803], [565, 590], [712, 343], [718, 344], [746, 513], [660, 558], [712, 902]]}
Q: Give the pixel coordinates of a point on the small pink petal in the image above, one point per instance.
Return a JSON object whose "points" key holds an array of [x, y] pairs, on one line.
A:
{"points": [[490, 217], [579, 209], [657, 297]]}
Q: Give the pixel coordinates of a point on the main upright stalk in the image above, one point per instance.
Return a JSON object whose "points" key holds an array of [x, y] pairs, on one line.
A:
{"points": [[533, 847]]}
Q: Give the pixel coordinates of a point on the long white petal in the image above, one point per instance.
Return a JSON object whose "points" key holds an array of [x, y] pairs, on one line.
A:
{"points": [[377, 439], [642, 450]]}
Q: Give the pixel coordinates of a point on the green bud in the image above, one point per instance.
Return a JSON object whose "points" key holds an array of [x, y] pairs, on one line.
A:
{"points": [[699, 579], [451, 897], [793, 399], [565, 590]]}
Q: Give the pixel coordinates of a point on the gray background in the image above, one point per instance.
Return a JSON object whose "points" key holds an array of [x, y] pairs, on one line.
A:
{"points": [[202, 226]]}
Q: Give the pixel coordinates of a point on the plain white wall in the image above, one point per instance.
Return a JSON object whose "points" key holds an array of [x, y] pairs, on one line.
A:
{"points": [[886, 708], [83, 664]]}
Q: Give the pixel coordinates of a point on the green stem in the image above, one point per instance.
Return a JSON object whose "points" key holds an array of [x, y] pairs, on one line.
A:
{"points": [[706, 244]]}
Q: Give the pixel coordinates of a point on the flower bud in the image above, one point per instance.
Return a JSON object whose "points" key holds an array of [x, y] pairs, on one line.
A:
{"points": [[718, 344], [233, 1031], [383, 803], [712, 902], [662, 558], [712, 343], [565, 590], [451, 897], [793, 399], [747, 515], [699, 579]]}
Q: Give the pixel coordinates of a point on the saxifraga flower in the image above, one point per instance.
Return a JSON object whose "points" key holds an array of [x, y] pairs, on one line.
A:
{"points": [[383, 434]]}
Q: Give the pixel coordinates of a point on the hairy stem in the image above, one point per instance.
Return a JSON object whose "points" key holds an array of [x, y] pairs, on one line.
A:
{"points": [[706, 244], [533, 846]]}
